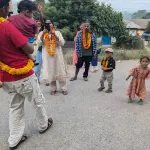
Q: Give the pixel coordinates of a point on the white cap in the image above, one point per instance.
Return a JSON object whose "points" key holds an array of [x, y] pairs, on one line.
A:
{"points": [[109, 50]]}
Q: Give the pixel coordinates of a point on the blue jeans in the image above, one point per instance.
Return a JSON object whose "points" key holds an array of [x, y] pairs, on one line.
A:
{"points": [[37, 69]]}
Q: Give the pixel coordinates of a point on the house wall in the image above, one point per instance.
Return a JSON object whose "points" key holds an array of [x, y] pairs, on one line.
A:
{"points": [[106, 40], [136, 32], [132, 32]]}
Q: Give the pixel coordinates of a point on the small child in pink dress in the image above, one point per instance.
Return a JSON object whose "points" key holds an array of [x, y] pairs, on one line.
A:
{"points": [[140, 74]]}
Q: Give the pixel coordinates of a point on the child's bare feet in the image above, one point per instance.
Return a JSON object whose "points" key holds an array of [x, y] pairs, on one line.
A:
{"points": [[130, 100], [140, 102]]}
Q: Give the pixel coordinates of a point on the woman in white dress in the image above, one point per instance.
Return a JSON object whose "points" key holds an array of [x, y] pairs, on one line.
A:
{"points": [[53, 67]]}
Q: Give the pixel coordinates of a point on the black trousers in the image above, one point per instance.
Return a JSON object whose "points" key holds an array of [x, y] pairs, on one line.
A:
{"points": [[84, 60]]}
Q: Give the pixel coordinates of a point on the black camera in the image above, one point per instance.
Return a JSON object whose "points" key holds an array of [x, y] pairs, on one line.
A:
{"points": [[47, 26]]}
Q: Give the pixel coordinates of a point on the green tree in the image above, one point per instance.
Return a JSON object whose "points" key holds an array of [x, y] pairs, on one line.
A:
{"points": [[139, 14], [148, 28], [147, 16], [67, 15]]}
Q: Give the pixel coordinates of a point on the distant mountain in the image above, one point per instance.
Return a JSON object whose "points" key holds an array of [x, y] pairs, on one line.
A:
{"points": [[127, 15]]}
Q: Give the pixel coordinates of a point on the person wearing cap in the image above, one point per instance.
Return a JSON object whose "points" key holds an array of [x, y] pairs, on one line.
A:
{"points": [[108, 65]]}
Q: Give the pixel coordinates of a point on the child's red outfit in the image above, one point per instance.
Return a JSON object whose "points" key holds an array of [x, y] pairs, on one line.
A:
{"points": [[27, 26], [137, 86]]}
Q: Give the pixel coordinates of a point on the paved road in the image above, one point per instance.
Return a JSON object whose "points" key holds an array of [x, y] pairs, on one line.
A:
{"points": [[86, 119]]}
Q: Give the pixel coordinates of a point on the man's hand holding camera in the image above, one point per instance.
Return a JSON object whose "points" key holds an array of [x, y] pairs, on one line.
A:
{"points": [[52, 32]]}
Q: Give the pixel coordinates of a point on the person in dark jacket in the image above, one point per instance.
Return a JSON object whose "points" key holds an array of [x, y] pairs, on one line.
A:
{"points": [[108, 65]]}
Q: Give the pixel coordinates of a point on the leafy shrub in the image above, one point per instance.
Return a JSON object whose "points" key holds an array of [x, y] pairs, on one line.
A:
{"points": [[67, 34], [129, 42], [118, 55]]}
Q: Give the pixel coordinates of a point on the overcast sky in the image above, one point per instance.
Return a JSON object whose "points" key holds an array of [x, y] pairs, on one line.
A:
{"points": [[127, 5]]}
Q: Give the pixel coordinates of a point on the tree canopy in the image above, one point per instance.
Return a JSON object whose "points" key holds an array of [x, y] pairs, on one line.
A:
{"points": [[148, 28], [67, 15], [147, 16], [139, 14]]}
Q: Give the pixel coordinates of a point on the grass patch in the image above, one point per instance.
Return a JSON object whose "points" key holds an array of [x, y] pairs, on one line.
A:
{"points": [[126, 54], [118, 55], [68, 56]]}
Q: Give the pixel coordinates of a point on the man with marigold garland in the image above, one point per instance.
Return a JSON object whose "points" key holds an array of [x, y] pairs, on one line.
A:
{"points": [[18, 79], [85, 49]]}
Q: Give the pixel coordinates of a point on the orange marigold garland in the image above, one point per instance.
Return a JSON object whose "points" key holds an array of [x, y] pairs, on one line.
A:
{"points": [[50, 44], [2, 20], [105, 62], [86, 41], [19, 71]]}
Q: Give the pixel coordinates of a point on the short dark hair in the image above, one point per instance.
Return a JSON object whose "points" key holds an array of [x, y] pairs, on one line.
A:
{"points": [[4, 3], [27, 5], [144, 57], [42, 28]]}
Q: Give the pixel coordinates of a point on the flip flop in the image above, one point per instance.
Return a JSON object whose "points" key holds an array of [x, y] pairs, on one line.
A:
{"points": [[73, 79], [53, 92], [36, 64], [47, 84], [50, 123], [65, 92], [23, 139]]}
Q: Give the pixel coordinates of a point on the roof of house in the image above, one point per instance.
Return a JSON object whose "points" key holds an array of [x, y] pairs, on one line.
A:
{"points": [[131, 25], [141, 22]]}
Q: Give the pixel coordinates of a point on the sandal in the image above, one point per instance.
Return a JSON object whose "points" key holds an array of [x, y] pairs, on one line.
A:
{"points": [[85, 79], [73, 79], [65, 92], [50, 122], [53, 92], [47, 84], [35, 63], [23, 139]]}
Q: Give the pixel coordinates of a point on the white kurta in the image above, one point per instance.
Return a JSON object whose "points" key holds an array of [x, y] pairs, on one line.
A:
{"points": [[53, 67]]}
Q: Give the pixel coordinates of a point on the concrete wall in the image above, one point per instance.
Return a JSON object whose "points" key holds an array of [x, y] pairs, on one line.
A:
{"points": [[69, 46]]}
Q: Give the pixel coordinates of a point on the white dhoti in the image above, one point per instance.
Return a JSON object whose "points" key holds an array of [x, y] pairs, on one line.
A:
{"points": [[27, 88]]}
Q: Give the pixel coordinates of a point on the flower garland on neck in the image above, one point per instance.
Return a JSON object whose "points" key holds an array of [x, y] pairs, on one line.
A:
{"points": [[14, 71], [50, 44], [105, 62], [86, 41], [2, 20]]}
